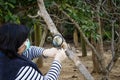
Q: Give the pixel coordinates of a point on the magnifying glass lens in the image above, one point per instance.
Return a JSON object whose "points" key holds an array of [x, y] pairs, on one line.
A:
{"points": [[57, 41]]}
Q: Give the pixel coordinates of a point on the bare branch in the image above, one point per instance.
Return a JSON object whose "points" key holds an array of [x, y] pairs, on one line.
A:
{"points": [[113, 3], [113, 37], [58, 17], [103, 2], [37, 15]]}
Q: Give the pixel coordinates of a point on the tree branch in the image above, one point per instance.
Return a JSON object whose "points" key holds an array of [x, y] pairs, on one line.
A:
{"points": [[54, 31]]}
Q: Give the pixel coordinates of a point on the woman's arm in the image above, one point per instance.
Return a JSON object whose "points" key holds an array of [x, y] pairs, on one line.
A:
{"points": [[33, 52], [29, 73]]}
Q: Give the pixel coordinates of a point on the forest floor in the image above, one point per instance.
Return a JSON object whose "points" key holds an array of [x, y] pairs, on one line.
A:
{"points": [[70, 72]]}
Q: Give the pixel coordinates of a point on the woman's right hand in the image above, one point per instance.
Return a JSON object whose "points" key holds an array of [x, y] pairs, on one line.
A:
{"points": [[60, 56]]}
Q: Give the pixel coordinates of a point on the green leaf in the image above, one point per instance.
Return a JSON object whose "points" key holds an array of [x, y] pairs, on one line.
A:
{"points": [[7, 18], [13, 1], [9, 4], [1, 12]]}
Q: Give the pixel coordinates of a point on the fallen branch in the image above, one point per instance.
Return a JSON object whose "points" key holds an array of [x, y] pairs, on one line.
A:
{"points": [[51, 26]]}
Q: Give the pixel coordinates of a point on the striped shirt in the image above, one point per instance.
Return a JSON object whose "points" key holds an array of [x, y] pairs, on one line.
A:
{"points": [[29, 73]]}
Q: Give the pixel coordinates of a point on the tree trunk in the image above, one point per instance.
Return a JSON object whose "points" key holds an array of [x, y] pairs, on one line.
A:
{"points": [[116, 55], [83, 44], [96, 67], [75, 38], [40, 60], [38, 34], [100, 43], [43, 36]]}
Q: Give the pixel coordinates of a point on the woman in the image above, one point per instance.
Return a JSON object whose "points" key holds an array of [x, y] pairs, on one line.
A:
{"points": [[16, 54]]}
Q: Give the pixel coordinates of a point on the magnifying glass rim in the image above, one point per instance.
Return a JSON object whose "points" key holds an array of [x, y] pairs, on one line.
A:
{"points": [[60, 37]]}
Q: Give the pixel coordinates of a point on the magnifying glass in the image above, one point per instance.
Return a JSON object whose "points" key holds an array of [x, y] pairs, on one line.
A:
{"points": [[57, 41]]}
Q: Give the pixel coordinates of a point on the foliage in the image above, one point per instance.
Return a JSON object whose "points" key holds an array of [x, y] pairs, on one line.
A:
{"points": [[6, 13], [82, 14], [80, 10], [16, 11]]}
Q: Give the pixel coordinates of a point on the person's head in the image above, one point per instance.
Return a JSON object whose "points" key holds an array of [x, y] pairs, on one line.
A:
{"points": [[12, 36]]}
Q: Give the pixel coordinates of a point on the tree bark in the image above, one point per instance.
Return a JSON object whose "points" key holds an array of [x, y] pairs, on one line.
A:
{"points": [[112, 40], [100, 42], [75, 38], [43, 36], [44, 14], [38, 34], [83, 44], [96, 67]]}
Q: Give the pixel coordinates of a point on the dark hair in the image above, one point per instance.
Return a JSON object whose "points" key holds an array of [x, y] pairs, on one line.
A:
{"points": [[12, 37]]}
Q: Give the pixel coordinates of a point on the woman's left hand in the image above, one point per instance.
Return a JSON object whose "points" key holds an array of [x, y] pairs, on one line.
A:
{"points": [[51, 52]]}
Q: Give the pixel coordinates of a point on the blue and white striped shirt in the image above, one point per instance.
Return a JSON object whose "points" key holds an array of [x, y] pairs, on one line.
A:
{"points": [[29, 73]]}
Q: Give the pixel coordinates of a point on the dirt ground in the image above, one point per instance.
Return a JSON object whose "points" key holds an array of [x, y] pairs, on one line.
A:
{"points": [[70, 72]]}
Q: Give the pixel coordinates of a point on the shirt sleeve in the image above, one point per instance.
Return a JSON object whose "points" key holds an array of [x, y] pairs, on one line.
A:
{"points": [[29, 73], [33, 52]]}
